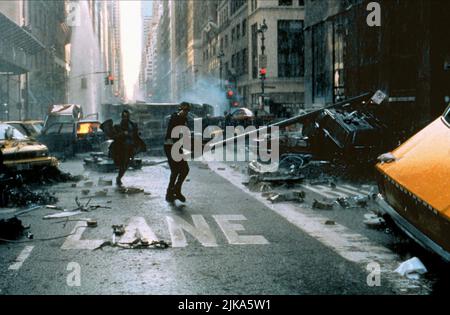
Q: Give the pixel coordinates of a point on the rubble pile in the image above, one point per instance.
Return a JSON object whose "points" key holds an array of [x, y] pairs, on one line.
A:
{"points": [[23, 196]]}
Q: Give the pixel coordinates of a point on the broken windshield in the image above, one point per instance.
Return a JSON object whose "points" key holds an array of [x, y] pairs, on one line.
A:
{"points": [[10, 133]]}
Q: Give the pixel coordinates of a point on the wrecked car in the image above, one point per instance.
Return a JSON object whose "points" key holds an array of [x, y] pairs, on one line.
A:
{"points": [[66, 133], [30, 128], [414, 183], [20, 153], [349, 135]]}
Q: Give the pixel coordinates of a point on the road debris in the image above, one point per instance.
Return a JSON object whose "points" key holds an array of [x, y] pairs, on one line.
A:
{"points": [[11, 229], [386, 158], [296, 196], [104, 182], [62, 215], [130, 190], [374, 221], [23, 196], [322, 205], [139, 243], [330, 222], [412, 269], [118, 230]]}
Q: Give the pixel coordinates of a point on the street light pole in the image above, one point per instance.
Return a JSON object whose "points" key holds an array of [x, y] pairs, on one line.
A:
{"points": [[262, 29], [220, 56]]}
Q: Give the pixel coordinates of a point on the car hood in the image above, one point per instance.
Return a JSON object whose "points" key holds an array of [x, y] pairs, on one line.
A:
{"points": [[422, 166], [14, 146]]}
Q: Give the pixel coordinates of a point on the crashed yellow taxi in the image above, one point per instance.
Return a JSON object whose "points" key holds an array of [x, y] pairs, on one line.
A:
{"points": [[415, 186], [18, 153]]}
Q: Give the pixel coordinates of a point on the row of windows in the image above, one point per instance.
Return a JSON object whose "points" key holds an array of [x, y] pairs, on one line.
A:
{"points": [[236, 33], [290, 2], [239, 62]]}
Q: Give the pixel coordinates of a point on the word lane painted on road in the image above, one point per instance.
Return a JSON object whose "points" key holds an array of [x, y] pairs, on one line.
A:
{"points": [[198, 229]]}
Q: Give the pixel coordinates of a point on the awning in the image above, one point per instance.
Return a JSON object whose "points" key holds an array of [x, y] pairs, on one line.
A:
{"points": [[17, 36]]}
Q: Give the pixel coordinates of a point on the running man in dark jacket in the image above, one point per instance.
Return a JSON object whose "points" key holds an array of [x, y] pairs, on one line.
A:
{"points": [[178, 170]]}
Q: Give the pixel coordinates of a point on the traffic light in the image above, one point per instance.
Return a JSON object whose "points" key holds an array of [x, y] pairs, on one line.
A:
{"points": [[109, 80], [230, 94], [235, 104], [262, 73]]}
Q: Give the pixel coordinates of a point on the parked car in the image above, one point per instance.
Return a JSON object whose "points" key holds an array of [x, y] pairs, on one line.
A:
{"points": [[19, 153], [30, 128], [414, 185]]}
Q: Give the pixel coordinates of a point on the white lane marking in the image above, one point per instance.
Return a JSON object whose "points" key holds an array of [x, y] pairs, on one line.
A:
{"points": [[74, 241], [24, 254], [353, 188], [352, 246], [137, 227], [229, 229], [200, 230], [325, 191], [350, 192]]}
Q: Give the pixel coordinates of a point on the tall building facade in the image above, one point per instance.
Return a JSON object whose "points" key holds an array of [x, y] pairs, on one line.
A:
{"points": [[405, 56], [162, 81], [219, 41], [33, 57]]}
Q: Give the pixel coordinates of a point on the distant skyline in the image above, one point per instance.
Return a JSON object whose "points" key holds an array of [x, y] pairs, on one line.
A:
{"points": [[131, 25], [147, 7]]}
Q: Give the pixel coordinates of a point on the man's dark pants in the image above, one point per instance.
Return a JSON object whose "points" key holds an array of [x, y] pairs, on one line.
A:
{"points": [[124, 158], [179, 171]]}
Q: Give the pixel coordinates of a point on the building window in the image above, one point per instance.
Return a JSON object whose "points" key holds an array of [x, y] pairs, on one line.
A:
{"points": [[236, 5], [338, 60], [284, 2], [233, 31], [318, 60], [290, 48], [245, 61], [255, 51], [254, 5], [221, 43], [301, 2], [238, 64], [226, 41], [238, 31], [244, 27]]}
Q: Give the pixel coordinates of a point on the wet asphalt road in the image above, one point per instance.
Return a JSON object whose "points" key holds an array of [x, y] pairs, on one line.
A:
{"points": [[234, 244]]}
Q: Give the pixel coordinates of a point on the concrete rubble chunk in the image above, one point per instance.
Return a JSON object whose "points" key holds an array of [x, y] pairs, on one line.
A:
{"points": [[322, 205], [105, 182], [373, 221], [412, 269]]}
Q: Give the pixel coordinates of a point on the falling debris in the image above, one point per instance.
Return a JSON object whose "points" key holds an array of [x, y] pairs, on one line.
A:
{"points": [[412, 269], [330, 222]]}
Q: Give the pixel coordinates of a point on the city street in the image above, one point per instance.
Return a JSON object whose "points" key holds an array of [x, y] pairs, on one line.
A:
{"points": [[224, 240]]}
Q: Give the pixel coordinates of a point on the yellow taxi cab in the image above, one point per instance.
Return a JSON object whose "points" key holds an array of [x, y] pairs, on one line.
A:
{"points": [[415, 186], [19, 153]]}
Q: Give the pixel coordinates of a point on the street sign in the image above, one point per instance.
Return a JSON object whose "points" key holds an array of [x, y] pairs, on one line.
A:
{"points": [[262, 61]]}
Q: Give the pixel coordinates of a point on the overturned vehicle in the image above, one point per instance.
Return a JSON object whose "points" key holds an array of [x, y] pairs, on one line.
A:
{"points": [[66, 133], [414, 184]]}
